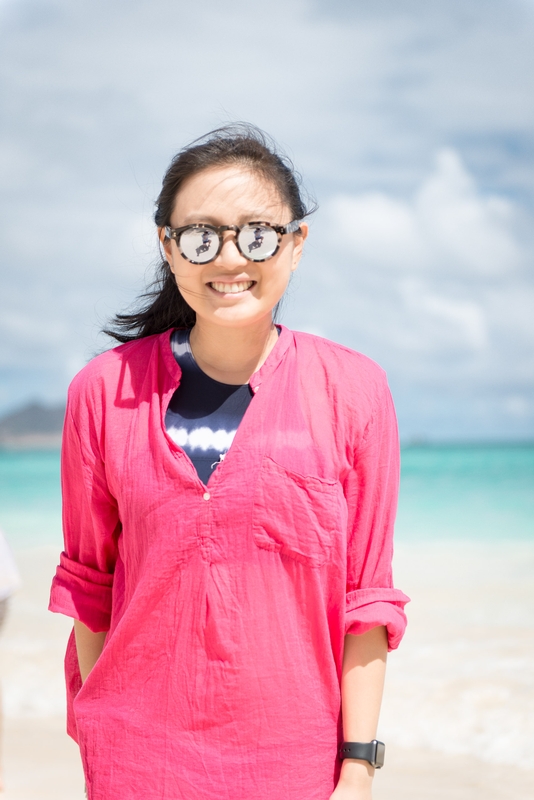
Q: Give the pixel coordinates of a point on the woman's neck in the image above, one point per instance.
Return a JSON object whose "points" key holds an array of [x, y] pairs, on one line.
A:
{"points": [[232, 355]]}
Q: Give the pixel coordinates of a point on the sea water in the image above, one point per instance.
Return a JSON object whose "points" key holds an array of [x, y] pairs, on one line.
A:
{"points": [[30, 498], [483, 492]]}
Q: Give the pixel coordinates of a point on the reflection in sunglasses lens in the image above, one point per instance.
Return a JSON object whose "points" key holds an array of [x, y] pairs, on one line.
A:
{"points": [[199, 244], [258, 241]]}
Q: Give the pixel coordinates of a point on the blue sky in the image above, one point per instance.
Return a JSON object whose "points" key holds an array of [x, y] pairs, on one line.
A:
{"points": [[411, 122]]}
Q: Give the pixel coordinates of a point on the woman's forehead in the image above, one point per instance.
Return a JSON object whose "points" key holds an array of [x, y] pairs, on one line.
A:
{"points": [[225, 190]]}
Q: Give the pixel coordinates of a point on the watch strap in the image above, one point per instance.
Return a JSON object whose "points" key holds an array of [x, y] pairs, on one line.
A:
{"points": [[373, 752]]}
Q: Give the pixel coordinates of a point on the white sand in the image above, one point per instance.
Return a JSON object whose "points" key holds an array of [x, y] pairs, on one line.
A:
{"points": [[462, 681], [459, 705]]}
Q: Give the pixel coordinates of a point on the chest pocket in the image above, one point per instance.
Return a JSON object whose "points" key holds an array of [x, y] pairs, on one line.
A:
{"points": [[295, 515]]}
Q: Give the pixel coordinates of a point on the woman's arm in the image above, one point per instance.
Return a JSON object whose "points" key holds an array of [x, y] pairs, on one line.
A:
{"points": [[89, 646], [362, 684]]}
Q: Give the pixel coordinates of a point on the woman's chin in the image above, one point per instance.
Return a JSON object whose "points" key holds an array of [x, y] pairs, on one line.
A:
{"points": [[237, 309]]}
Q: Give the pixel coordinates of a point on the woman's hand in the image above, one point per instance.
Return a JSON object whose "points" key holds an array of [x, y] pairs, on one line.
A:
{"points": [[355, 781], [89, 646]]}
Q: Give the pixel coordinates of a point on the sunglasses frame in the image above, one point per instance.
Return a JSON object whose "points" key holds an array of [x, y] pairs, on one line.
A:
{"points": [[280, 230]]}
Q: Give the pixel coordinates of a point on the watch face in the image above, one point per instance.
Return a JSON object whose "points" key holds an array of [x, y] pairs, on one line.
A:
{"points": [[380, 753]]}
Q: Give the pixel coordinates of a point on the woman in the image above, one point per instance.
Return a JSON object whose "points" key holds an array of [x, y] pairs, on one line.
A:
{"points": [[232, 597]]}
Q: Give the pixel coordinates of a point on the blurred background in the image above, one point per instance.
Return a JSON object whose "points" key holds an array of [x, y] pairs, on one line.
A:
{"points": [[412, 125]]}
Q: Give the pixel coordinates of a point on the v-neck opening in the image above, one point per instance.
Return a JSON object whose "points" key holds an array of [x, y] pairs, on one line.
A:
{"points": [[270, 364], [203, 414]]}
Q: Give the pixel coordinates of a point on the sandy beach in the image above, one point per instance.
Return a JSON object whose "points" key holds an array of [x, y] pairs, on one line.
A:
{"points": [[458, 715]]}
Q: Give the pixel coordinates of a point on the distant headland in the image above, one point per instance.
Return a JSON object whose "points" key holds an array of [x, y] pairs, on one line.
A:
{"points": [[34, 426]]}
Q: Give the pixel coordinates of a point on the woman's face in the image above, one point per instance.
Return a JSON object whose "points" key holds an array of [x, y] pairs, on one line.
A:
{"points": [[232, 196]]}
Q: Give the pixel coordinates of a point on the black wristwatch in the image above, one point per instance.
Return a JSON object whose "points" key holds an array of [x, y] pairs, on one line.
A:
{"points": [[373, 752]]}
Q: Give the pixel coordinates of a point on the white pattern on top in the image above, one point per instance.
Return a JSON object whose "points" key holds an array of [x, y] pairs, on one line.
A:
{"points": [[202, 438]]}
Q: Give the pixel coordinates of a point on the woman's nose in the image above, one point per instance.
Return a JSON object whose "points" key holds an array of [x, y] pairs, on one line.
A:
{"points": [[230, 255]]}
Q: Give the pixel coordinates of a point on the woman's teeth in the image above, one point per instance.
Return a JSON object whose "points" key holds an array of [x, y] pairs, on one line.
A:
{"points": [[231, 288]]}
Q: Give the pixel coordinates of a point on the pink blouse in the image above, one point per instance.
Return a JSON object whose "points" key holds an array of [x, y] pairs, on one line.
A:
{"points": [[226, 604]]}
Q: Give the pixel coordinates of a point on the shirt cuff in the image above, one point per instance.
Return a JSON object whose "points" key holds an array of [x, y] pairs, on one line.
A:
{"points": [[83, 593], [370, 608]]}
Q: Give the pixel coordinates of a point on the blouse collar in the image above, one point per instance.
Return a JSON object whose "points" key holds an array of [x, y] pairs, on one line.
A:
{"points": [[270, 365]]}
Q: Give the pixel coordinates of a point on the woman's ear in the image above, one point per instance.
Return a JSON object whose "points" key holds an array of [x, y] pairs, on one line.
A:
{"points": [[299, 244], [166, 245]]}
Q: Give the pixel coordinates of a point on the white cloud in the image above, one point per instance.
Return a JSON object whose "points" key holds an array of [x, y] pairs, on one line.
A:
{"points": [[438, 288], [448, 225], [463, 228], [377, 229], [518, 406], [440, 323]]}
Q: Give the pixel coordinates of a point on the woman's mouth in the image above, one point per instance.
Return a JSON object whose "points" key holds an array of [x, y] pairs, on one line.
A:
{"points": [[231, 288]]}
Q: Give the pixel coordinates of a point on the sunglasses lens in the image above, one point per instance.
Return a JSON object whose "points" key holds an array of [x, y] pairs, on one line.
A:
{"points": [[258, 242], [199, 244]]}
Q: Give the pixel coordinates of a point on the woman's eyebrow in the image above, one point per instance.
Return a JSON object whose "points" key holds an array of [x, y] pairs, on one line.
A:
{"points": [[192, 219], [255, 216]]}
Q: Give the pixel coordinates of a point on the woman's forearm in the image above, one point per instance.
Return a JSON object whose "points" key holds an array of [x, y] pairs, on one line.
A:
{"points": [[364, 667], [89, 646]]}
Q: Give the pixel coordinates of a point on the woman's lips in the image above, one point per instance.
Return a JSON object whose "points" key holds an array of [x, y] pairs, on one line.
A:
{"points": [[231, 288]]}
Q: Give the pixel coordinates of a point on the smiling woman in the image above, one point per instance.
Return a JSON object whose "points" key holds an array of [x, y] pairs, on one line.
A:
{"points": [[229, 496], [241, 280], [253, 158]]}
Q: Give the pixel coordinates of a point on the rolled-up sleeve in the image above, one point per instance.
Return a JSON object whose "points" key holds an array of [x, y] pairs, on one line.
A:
{"points": [[82, 586], [371, 491]]}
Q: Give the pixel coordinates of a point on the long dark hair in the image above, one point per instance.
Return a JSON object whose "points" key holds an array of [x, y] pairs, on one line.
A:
{"points": [[162, 306]]}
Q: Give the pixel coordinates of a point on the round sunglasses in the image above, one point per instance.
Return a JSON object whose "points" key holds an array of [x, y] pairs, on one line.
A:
{"points": [[257, 241]]}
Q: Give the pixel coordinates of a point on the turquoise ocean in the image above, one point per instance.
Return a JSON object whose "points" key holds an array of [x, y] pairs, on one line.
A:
{"points": [[475, 492]]}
